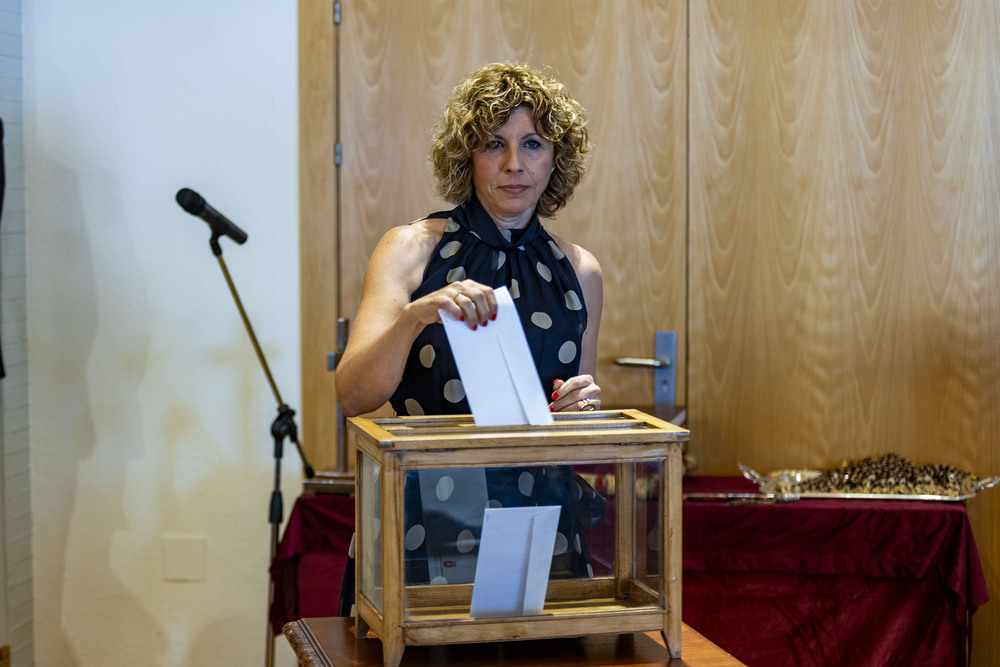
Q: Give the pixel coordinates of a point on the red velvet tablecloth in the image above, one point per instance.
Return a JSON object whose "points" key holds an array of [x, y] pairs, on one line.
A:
{"points": [[813, 582], [830, 582], [308, 567]]}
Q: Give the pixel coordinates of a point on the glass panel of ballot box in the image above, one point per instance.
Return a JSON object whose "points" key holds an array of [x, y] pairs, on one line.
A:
{"points": [[470, 534]]}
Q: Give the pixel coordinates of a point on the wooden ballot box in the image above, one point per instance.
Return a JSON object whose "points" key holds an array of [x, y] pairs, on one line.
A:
{"points": [[637, 455]]}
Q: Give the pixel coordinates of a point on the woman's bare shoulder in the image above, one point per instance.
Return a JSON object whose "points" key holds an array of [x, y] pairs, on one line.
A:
{"points": [[422, 232], [584, 262], [411, 243], [403, 251]]}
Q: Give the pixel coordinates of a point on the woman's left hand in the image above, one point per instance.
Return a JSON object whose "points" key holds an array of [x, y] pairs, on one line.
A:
{"points": [[576, 393]]}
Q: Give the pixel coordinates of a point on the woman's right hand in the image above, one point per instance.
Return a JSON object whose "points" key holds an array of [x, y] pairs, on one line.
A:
{"points": [[465, 300], [388, 322]]}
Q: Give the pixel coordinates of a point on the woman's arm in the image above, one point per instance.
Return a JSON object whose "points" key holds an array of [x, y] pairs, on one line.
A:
{"points": [[569, 395], [588, 272], [388, 322]]}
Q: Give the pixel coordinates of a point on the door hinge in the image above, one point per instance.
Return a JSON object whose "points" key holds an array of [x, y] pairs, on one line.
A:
{"points": [[343, 332], [336, 13]]}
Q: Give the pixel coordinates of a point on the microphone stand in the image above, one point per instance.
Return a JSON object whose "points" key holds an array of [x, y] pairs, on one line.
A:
{"points": [[282, 427]]}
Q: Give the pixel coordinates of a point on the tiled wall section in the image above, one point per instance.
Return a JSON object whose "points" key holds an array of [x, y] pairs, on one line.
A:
{"points": [[16, 626]]}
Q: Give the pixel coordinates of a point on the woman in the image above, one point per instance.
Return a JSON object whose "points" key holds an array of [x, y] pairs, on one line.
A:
{"points": [[509, 149]]}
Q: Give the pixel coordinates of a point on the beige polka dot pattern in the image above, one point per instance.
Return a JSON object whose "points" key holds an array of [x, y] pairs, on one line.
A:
{"points": [[454, 391], [541, 320], [544, 271], [567, 353], [572, 300], [449, 249], [427, 356]]}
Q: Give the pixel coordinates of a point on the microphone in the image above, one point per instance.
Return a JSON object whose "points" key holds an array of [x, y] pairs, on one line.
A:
{"points": [[195, 204]]}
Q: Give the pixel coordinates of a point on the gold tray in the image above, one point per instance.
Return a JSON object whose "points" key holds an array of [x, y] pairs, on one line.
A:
{"points": [[771, 483]]}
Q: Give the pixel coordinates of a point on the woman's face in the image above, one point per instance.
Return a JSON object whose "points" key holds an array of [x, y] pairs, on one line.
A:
{"points": [[512, 171]]}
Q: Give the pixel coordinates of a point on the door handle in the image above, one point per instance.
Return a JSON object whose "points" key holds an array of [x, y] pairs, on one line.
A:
{"points": [[662, 364], [646, 363]]}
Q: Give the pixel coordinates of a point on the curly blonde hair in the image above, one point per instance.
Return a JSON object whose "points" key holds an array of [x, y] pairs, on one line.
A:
{"points": [[484, 102]]}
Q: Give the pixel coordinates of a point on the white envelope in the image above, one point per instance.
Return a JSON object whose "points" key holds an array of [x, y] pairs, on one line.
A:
{"points": [[515, 557], [497, 371]]}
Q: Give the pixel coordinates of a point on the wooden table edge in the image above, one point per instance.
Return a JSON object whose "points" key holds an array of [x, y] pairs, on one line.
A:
{"points": [[308, 646]]}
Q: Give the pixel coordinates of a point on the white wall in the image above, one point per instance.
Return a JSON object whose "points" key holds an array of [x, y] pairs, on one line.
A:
{"points": [[150, 416], [16, 629]]}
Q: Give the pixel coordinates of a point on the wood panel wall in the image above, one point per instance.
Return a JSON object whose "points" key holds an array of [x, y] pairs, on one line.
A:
{"points": [[844, 235], [624, 61], [394, 66], [844, 241]]}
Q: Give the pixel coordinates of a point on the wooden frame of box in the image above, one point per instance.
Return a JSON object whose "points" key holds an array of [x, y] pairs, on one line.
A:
{"points": [[625, 602]]}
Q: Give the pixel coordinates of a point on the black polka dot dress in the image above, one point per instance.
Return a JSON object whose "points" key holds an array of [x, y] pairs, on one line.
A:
{"points": [[542, 283], [445, 516]]}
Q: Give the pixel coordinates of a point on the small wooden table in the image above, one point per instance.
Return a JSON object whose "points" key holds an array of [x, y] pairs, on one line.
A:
{"points": [[331, 642]]}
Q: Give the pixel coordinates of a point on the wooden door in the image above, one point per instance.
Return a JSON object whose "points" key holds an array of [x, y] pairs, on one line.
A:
{"points": [[624, 61]]}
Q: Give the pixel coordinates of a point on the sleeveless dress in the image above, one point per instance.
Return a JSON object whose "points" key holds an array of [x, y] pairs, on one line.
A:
{"points": [[550, 304], [542, 283]]}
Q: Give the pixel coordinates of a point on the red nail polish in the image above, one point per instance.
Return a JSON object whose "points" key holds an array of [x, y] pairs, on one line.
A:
{"points": [[462, 318], [555, 395], [475, 326], [485, 322], [493, 316], [551, 409]]}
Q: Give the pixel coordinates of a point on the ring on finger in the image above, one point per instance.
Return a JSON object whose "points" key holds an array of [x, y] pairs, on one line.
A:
{"points": [[588, 404], [457, 294]]}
